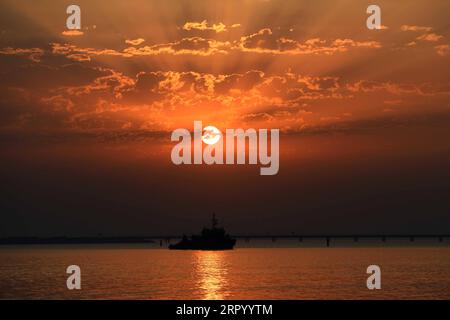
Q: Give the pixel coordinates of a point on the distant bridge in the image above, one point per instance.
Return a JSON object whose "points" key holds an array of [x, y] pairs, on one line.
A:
{"points": [[355, 237], [165, 238]]}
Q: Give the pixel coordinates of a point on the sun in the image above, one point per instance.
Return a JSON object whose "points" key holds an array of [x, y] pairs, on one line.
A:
{"points": [[211, 135]]}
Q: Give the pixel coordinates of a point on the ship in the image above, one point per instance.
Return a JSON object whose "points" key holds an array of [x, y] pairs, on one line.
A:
{"points": [[213, 238]]}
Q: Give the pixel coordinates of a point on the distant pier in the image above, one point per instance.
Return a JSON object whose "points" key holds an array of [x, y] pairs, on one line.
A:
{"points": [[158, 239], [328, 238]]}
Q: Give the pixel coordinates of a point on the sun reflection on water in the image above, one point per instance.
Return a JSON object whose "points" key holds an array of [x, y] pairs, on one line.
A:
{"points": [[211, 271]]}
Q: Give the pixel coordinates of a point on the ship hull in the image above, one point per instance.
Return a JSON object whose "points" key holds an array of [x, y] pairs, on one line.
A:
{"points": [[204, 245]]}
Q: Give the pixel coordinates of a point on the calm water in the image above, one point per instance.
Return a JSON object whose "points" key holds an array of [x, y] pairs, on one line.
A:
{"points": [[265, 272]]}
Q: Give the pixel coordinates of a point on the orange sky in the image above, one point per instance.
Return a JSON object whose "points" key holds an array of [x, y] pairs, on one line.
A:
{"points": [[112, 93], [155, 66]]}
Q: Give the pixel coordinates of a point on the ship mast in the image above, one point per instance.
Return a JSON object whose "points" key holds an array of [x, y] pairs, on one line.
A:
{"points": [[214, 221]]}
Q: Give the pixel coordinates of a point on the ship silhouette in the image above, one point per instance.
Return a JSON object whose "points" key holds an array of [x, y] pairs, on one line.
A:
{"points": [[210, 239]]}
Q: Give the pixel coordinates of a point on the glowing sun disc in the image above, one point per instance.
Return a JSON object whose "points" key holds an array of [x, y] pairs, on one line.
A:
{"points": [[211, 135]]}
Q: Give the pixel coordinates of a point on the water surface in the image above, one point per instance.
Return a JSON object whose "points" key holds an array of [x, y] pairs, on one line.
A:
{"points": [[265, 272]]}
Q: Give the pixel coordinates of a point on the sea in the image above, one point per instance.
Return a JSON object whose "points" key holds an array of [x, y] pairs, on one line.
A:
{"points": [[255, 269]]}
